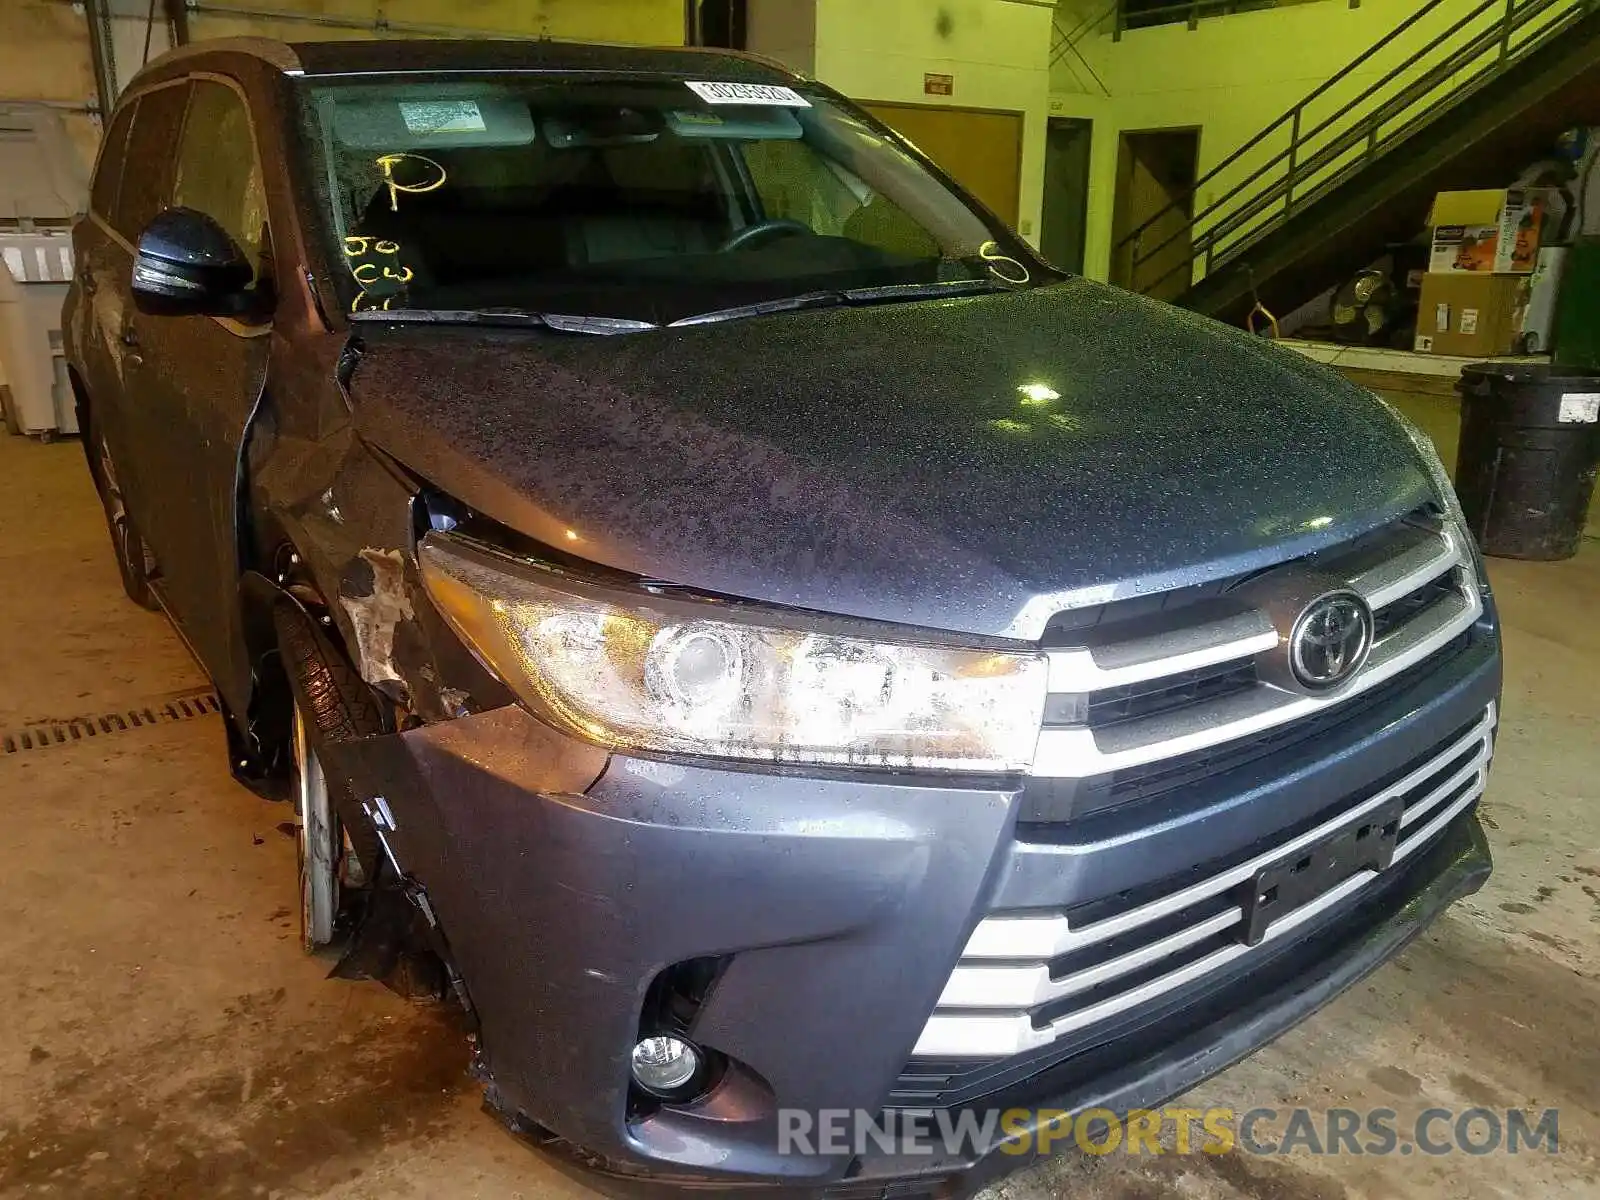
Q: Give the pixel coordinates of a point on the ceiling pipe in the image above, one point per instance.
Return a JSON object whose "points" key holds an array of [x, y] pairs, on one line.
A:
{"points": [[102, 56], [177, 21], [378, 25], [77, 106]]}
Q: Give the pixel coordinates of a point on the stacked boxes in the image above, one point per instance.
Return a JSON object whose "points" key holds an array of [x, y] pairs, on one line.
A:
{"points": [[1485, 245]]}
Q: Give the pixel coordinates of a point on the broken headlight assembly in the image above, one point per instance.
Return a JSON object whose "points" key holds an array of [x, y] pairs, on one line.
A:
{"points": [[631, 669]]}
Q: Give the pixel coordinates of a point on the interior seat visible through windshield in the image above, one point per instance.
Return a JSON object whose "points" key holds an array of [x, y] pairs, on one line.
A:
{"points": [[508, 213]]}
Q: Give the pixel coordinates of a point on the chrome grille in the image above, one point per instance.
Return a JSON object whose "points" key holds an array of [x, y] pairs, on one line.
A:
{"points": [[1392, 616], [1026, 980], [1133, 701], [1053, 800], [1417, 576]]}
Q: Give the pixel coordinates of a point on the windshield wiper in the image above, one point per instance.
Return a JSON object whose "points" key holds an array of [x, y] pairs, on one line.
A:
{"points": [[762, 307], [509, 318], [606, 326], [920, 291], [862, 295]]}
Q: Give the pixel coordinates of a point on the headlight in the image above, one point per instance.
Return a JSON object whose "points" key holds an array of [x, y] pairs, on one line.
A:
{"points": [[702, 678]]}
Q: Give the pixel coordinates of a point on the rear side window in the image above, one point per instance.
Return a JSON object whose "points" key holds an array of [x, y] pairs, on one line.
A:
{"points": [[216, 172], [103, 197], [147, 167]]}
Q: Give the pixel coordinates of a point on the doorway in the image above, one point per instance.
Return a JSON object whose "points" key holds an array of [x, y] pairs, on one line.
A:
{"points": [[980, 149], [1155, 197], [1065, 216]]}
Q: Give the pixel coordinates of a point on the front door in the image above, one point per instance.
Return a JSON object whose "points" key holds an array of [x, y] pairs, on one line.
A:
{"points": [[200, 380], [123, 204]]}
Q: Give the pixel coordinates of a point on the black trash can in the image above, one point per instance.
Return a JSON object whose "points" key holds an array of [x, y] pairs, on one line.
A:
{"points": [[1530, 440]]}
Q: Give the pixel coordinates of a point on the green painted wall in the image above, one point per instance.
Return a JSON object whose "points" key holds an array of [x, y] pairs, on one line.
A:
{"points": [[1230, 77], [995, 51]]}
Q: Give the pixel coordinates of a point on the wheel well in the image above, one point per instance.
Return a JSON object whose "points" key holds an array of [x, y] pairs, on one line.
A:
{"points": [[281, 577], [266, 723]]}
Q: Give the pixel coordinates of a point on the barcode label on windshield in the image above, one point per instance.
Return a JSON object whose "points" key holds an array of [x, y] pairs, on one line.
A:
{"points": [[747, 93]]}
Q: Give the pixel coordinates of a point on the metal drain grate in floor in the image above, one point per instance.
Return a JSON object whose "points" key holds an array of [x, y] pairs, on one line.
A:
{"points": [[164, 710]]}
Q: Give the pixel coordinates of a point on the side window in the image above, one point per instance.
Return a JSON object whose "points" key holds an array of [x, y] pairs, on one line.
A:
{"points": [[108, 173], [217, 172], [147, 166]]}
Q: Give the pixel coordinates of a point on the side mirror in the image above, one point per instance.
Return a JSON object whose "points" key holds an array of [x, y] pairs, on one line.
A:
{"points": [[187, 264]]}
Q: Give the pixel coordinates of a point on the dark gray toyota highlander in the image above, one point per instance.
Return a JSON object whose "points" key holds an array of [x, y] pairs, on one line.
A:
{"points": [[731, 617]]}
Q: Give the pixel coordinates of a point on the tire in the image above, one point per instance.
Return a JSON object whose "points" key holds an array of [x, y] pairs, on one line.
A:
{"points": [[319, 843], [337, 848], [135, 563]]}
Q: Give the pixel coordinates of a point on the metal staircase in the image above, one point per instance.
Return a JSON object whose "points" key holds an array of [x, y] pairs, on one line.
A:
{"points": [[1288, 207]]}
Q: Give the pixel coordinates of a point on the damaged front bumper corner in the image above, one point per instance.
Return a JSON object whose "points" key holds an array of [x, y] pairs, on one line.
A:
{"points": [[568, 880]]}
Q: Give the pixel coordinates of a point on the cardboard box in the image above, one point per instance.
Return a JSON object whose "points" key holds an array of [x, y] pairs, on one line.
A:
{"points": [[1471, 315], [1492, 232]]}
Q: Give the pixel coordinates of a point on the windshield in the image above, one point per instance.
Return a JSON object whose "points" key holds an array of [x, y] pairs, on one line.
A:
{"points": [[643, 200]]}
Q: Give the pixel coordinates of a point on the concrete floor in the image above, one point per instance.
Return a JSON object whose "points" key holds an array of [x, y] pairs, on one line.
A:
{"points": [[168, 1039]]}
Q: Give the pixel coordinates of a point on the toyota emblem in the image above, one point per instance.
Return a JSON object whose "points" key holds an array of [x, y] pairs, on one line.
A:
{"points": [[1330, 640]]}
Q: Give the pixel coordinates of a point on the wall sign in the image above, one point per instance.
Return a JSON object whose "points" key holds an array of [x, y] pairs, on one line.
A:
{"points": [[938, 85]]}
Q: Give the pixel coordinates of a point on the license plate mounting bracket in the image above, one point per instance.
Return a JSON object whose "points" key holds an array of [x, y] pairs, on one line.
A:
{"points": [[1366, 843]]}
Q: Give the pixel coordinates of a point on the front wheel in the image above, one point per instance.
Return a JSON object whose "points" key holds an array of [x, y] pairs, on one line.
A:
{"points": [[330, 704], [319, 841]]}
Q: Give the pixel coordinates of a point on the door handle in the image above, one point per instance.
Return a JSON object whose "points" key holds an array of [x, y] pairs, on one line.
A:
{"points": [[129, 336]]}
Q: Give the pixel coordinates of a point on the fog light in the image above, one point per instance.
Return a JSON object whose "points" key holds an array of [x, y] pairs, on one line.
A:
{"points": [[665, 1065]]}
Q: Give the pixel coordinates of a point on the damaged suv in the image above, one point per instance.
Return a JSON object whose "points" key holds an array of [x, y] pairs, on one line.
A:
{"points": [[731, 616]]}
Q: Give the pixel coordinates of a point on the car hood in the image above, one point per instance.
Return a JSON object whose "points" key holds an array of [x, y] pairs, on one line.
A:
{"points": [[967, 464]]}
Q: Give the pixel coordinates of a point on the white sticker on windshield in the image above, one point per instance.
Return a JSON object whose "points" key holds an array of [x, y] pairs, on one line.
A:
{"points": [[747, 93], [441, 116]]}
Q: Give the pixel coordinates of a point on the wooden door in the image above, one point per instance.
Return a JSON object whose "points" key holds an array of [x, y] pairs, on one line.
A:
{"points": [[980, 149]]}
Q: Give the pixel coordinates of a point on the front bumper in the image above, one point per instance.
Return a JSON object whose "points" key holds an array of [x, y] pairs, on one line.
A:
{"points": [[1168, 1057], [566, 883], [1228, 1026]]}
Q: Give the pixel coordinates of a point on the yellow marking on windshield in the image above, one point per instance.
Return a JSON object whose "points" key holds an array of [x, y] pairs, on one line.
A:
{"points": [[372, 274], [1013, 272], [355, 245], [388, 162], [378, 274]]}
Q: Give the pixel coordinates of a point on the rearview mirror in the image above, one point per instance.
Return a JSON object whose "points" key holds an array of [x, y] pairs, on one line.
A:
{"points": [[187, 264]]}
